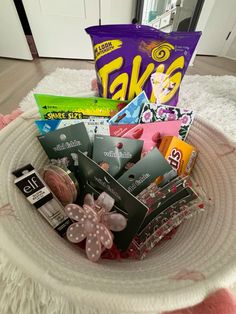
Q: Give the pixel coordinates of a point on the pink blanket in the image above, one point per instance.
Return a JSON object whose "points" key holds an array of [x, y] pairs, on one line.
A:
{"points": [[6, 119]]}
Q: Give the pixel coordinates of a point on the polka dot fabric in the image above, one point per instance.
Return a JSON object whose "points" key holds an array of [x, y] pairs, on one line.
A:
{"points": [[88, 227]]}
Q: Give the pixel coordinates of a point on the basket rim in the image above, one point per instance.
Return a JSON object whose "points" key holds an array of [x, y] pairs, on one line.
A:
{"points": [[193, 294]]}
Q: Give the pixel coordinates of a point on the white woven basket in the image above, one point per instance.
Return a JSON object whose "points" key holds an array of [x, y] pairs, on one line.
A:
{"points": [[206, 243]]}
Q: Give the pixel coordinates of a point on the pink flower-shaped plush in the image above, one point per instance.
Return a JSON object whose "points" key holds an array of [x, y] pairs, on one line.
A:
{"points": [[93, 223]]}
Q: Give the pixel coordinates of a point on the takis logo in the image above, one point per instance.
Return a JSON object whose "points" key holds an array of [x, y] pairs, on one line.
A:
{"points": [[162, 52]]}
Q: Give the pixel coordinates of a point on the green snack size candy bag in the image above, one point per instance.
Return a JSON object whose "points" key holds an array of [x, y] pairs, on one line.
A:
{"points": [[63, 107]]}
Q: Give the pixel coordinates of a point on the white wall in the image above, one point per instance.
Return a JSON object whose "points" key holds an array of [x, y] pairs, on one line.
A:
{"points": [[13, 43], [216, 20], [229, 49], [58, 27], [202, 24], [206, 11], [117, 11]]}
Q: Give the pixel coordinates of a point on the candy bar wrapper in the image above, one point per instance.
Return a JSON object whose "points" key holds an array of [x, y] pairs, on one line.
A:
{"points": [[66, 143], [93, 126], [150, 133], [64, 107], [172, 204], [153, 112], [115, 154], [130, 114], [132, 58], [180, 155]]}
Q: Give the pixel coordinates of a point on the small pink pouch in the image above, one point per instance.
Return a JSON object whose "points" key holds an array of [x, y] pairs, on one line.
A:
{"points": [[150, 133]]}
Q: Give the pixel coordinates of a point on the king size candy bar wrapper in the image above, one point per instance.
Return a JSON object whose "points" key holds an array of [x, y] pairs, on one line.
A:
{"points": [[180, 155]]}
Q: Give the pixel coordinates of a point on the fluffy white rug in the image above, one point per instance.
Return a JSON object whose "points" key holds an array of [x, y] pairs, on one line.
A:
{"points": [[211, 97]]}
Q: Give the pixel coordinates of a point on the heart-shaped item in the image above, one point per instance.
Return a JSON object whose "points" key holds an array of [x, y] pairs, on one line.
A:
{"points": [[156, 137], [137, 133]]}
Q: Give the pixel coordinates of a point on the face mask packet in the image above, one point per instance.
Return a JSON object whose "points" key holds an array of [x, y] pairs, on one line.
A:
{"points": [[158, 113]]}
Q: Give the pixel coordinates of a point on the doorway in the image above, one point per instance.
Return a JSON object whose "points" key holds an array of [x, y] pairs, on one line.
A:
{"points": [[26, 27]]}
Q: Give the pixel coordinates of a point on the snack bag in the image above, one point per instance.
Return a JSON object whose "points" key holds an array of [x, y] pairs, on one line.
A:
{"points": [[64, 107], [131, 58]]}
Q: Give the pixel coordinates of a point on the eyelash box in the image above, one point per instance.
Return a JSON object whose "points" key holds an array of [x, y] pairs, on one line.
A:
{"points": [[38, 194]]}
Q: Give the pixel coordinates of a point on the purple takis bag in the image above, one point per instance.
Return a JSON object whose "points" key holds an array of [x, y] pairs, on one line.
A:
{"points": [[131, 58]]}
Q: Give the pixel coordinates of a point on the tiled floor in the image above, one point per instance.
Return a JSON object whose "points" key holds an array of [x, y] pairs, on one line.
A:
{"points": [[18, 77]]}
